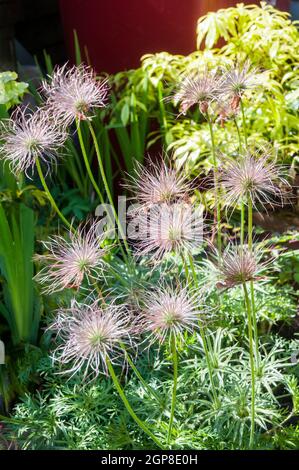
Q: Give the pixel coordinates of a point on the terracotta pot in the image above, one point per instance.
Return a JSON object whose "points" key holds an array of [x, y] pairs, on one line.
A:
{"points": [[118, 32]]}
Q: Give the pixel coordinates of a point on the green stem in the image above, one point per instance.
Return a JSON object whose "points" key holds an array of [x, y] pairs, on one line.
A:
{"points": [[87, 165], [242, 203], [130, 410], [186, 269], [106, 185], [174, 388], [218, 204], [250, 247], [205, 343], [244, 123], [242, 228], [252, 364], [139, 376], [50, 197], [250, 223], [239, 135]]}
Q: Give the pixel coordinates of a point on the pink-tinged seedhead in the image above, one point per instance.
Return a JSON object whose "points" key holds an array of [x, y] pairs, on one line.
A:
{"points": [[176, 228], [226, 112], [68, 262], [237, 265], [253, 177], [170, 311], [73, 93], [158, 184], [240, 78], [27, 136], [88, 335], [201, 89]]}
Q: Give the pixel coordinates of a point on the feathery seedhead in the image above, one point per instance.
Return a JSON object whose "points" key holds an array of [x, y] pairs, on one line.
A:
{"points": [[238, 265], [240, 78], [226, 113], [253, 177], [73, 93], [27, 136], [200, 89], [167, 228], [89, 335], [157, 185], [70, 261], [169, 311]]}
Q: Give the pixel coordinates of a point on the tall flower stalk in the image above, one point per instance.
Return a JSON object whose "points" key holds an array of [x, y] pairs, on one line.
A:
{"points": [[72, 94], [205, 340], [174, 356], [250, 234], [130, 410], [50, 197], [239, 265], [86, 162], [107, 189], [204, 89], [216, 184], [249, 306], [167, 315]]}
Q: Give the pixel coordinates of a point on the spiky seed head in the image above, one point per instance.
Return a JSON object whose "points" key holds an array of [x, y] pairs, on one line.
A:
{"points": [[169, 311], [253, 177], [199, 89], [27, 136], [69, 261], [88, 335], [239, 78], [237, 265], [73, 93], [158, 184], [168, 228]]}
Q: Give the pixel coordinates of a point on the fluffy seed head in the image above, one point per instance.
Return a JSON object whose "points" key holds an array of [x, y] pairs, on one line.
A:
{"points": [[168, 311], [27, 136], [157, 185], [253, 177], [169, 228], [198, 89], [240, 78], [237, 265], [89, 335], [68, 262], [73, 93]]}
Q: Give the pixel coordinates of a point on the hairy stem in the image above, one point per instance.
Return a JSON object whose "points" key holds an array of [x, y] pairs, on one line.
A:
{"points": [[244, 123], [239, 135], [91, 177], [186, 269], [106, 185], [130, 410], [50, 197], [139, 376], [250, 246], [205, 341], [252, 363], [242, 223], [174, 388], [87, 165], [217, 195]]}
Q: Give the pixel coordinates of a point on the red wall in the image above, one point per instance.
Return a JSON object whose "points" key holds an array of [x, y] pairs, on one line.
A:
{"points": [[118, 32]]}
